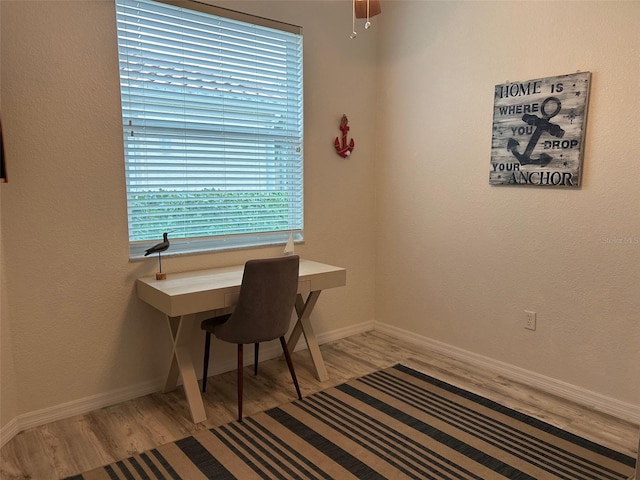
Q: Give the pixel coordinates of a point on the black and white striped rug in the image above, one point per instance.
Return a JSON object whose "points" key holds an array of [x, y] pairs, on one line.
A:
{"points": [[392, 424]]}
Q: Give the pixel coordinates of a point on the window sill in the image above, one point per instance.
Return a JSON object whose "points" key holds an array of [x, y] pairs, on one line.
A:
{"points": [[214, 244]]}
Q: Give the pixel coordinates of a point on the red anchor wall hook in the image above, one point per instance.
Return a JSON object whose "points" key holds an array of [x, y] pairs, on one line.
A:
{"points": [[343, 149]]}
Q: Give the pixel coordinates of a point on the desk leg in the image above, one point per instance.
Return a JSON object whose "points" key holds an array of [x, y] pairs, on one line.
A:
{"points": [[182, 365], [303, 326]]}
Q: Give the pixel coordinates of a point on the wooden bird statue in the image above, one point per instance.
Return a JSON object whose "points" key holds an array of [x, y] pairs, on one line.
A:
{"points": [[159, 248]]}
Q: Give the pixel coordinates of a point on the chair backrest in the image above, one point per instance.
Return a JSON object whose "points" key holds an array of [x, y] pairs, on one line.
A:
{"points": [[265, 303]]}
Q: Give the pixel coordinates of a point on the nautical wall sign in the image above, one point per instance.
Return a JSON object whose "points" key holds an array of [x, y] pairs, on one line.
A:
{"points": [[538, 131]]}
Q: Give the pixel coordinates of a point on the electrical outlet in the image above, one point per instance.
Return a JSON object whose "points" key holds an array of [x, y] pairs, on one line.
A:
{"points": [[530, 320]]}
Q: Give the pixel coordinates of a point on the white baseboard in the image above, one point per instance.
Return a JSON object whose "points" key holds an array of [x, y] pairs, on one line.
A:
{"points": [[341, 333], [581, 396], [87, 404], [75, 407], [273, 350], [576, 394], [101, 400], [8, 431]]}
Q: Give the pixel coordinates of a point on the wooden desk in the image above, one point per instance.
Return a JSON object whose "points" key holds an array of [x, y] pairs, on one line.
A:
{"points": [[183, 296]]}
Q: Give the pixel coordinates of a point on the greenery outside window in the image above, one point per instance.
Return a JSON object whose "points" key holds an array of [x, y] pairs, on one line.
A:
{"points": [[213, 126]]}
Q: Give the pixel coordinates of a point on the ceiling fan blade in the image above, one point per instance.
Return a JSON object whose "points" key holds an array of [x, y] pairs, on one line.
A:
{"points": [[361, 8]]}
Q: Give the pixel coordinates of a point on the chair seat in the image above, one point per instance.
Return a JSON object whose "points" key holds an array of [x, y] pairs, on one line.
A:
{"points": [[210, 324]]}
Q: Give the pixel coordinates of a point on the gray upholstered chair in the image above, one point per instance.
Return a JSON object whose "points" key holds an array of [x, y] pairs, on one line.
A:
{"points": [[262, 313]]}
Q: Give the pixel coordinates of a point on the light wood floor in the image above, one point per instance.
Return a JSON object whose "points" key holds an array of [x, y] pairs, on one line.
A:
{"points": [[77, 444]]}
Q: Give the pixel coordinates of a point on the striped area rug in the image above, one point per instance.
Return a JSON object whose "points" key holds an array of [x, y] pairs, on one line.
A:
{"points": [[392, 424]]}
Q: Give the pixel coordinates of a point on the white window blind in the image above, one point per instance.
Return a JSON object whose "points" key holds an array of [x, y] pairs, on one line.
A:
{"points": [[213, 126]]}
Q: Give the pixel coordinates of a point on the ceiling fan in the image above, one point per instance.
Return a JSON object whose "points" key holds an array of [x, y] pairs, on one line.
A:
{"points": [[364, 9]]}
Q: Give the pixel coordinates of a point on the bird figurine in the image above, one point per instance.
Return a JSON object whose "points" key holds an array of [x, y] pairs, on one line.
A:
{"points": [[159, 248]]}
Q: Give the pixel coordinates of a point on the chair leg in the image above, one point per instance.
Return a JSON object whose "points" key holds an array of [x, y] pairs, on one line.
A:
{"points": [[240, 368], [287, 356], [255, 359], [205, 367]]}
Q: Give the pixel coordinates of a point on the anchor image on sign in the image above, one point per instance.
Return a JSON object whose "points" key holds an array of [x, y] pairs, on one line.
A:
{"points": [[542, 125]]}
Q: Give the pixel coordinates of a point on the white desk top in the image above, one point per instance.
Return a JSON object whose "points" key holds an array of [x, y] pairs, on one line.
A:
{"points": [[204, 290]]}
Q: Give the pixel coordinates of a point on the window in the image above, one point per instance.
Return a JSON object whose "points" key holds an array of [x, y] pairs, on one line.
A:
{"points": [[213, 126]]}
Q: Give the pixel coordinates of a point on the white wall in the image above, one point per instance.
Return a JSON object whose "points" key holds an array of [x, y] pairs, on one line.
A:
{"points": [[77, 327], [452, 259], [458, 261], [8, 408], [7, 376]]}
